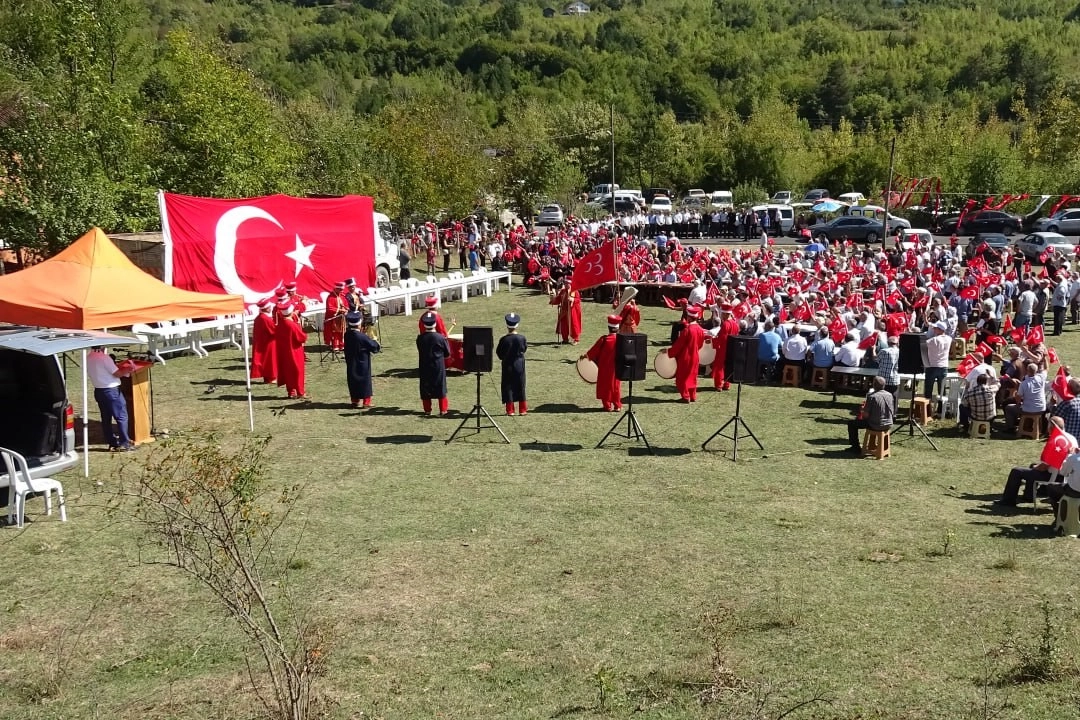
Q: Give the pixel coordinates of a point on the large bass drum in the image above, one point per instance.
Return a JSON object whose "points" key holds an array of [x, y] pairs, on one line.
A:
{"points": [[587, 370], [707, 353], [664, 366]]}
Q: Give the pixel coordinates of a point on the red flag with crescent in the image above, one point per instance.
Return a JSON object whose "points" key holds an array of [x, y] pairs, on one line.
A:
{"points": [[971, 292], [838, 330], [869, 341], [966, 365], [1061, 384], [249, 246], [1057, 448], [1035, 336], [595, 268], [1051, 356]]}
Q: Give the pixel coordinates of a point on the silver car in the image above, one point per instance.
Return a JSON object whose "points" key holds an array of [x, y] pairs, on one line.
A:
{"points": [[551, 215], [1066, 222], [1036, 243]]}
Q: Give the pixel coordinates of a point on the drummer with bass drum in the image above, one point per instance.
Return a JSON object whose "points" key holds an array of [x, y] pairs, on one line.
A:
{"points": [[686, 351]]}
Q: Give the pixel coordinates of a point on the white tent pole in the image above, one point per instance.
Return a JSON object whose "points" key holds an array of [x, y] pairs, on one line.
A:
{"points": [[85, 426], [247, 371]]}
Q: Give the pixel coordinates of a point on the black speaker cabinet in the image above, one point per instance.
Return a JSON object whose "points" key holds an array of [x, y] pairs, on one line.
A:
{"points": [[740, 362], [912, 353], [631, 350], [478, 346]]}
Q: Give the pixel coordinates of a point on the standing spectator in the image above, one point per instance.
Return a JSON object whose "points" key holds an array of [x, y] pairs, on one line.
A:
{"points": [[937, 360], [1060, 301], [105, 376]]}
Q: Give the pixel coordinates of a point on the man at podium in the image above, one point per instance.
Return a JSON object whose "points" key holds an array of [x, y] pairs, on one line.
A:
{"points": [[105, 374]]}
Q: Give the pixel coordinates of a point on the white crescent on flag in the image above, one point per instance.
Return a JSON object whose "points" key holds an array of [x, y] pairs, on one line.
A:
{"points": [[225, 250]]}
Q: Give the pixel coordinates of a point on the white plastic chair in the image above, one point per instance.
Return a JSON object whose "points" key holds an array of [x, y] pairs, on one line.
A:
{"points": [[20, 485]]}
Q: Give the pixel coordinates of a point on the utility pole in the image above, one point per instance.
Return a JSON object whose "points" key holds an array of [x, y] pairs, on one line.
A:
{"points": [[888, 192]]}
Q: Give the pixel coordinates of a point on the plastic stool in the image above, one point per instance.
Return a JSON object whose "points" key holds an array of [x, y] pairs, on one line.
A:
{"points": [[980, 429], [958, 349], [920, 411], [820, 378], [876, 444], [1068, 516], [792, 376], [1030, 426]]}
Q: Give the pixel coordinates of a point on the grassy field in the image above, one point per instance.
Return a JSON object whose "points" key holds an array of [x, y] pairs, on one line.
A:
{"points": [[548, 579]]}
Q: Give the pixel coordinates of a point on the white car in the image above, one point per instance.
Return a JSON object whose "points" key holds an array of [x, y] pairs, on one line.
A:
{"points": [[913, 239], [721, 200], [852, 198], [551, 215], [782, 197], [695, 192], [1036, 243], [660, 203], [877, 212]]}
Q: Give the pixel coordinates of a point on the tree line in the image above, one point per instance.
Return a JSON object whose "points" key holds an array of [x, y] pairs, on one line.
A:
{"points": [[440, 107]]}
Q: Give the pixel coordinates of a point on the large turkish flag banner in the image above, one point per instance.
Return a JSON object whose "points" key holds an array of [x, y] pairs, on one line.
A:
{"points": [[595, 268], [250, 247]]}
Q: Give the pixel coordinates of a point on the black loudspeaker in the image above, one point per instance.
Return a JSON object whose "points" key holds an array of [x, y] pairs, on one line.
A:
{"points": [[631, 350], [740, 362], [912, 352], [478, 346]]}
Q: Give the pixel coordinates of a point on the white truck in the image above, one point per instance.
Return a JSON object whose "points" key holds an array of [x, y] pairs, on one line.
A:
{"points": [[387, 251]]}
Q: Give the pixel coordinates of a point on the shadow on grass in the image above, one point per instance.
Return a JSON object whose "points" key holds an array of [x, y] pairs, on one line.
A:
{"points": [[826, 420], [219, 381], [658, 451], [241, 398], [323, 406], [563, 408], [838, 454], [1024, 531], [398, 439], [400, 373], [826, 441], [819, 404], [538, 446], [385, 411]]}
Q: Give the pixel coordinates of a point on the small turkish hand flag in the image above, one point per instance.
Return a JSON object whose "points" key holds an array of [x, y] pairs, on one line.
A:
{"points": [[1036, 335], [1061, 384], [1058, 447], [595, 268], [971, 292], [869, 341], [838, 330]]}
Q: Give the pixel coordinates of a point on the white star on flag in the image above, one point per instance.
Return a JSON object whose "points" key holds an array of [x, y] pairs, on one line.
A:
{"points": [[301, 255]]}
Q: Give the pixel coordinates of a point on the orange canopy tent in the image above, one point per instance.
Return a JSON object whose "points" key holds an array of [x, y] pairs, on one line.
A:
{"points": [[92, 285]]}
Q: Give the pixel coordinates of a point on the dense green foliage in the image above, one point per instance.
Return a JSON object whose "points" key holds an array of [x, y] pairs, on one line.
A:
{"points": [[435, 106]]}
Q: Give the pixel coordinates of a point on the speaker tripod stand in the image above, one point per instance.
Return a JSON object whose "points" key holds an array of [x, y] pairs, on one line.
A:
{"points": [[633, 428], [479, 413], [911, 424], [738, 425]]}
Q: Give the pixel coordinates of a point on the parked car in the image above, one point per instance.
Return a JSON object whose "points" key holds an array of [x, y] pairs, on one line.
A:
{"points": [[984, 221], [721, 200], [995, 241], [816, 195], [1036, 244], [912, 239], [660, 203], [1066, 222], [36, 417], [782, 197], [877, 212], [695, 192], [602, 189], [785, 215], [852, 198], [551, 215], [651, 193], [851, 227]]}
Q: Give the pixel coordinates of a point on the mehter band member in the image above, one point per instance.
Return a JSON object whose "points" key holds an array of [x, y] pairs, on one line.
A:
{"points": [[511, 351], [608, 387], [358, 350], [433, 349]]}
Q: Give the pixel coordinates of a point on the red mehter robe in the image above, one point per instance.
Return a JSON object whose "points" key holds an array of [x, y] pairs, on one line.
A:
{"points": [[440, 326], [289, 340], [568, 326], [263, 352], [334, 324], [631, 318], [728, 328], [608, 387], [685, 351]]}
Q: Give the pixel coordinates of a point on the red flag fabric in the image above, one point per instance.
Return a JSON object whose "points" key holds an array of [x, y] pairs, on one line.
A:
{"points": [[971, 292], [1065, 200], [969, 334], [879, 295], [595, 268], [995, 341], [668, 302], [1017, 335], [1061, 384], [1007, 326], [1057, 448], [968, 207], [802, 312], [869, 341], [783, 313], [1035, 336], [1045, 255], [985, 350], [1051, 356], [838, 330], [966, 365], [248, 247]]}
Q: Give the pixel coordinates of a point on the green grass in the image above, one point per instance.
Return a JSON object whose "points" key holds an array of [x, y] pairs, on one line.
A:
{"points": [[484, 580]]}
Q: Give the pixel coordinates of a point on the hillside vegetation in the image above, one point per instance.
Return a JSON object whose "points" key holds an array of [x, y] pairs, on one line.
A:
{"points": [[432, 106]]}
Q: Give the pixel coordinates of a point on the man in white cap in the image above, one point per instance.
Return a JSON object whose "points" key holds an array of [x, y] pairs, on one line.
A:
{"points": [[433, 349], [938, 343], [511, 351]]}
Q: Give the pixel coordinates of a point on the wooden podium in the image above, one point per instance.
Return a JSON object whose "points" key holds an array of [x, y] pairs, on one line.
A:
{"points": [[137, 390]]}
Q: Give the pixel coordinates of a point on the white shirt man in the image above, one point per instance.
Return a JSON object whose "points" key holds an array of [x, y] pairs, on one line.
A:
{"points": [[105, 375], [849, 353], [794, 348]]}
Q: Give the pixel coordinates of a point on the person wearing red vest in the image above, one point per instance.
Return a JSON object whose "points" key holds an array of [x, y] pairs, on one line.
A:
{"points": [[568, 326], [608, 387]]}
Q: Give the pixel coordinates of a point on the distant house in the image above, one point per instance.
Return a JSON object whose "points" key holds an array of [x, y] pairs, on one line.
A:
{"points": [[576, 8], [549, 12]]}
